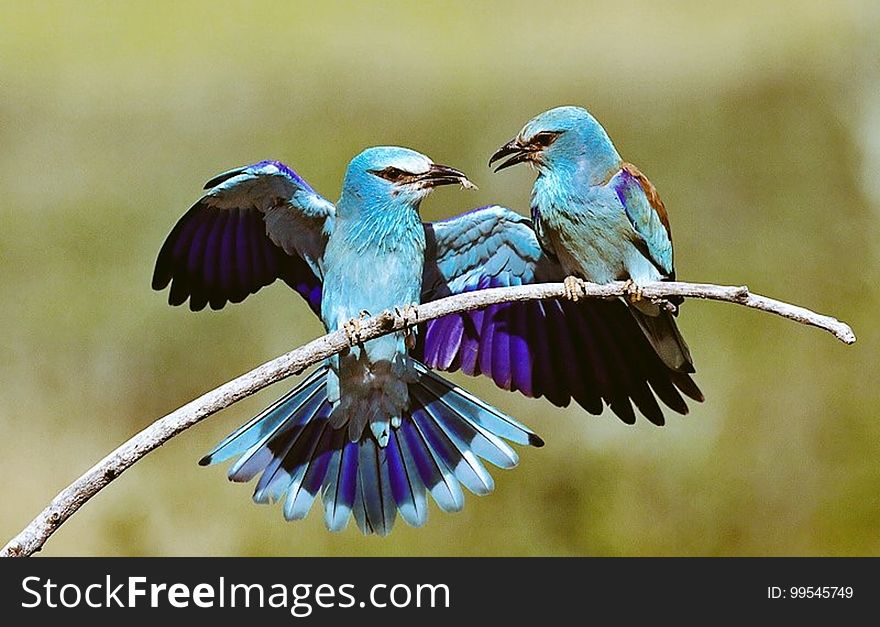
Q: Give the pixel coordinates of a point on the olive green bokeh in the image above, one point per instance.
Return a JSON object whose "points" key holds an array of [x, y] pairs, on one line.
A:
{"points": [[758, 122]]}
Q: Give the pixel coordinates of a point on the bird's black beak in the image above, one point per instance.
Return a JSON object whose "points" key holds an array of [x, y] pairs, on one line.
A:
{"points": [[520, 152], [444, 175]]}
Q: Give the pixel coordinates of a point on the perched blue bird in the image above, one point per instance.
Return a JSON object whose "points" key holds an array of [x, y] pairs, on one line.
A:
{"points": [[603, 220], [372, 429]]}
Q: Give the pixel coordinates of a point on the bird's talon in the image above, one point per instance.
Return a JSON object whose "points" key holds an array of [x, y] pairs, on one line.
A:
{"points": [[633, 290], [574, 288], [353, 331], [410, 316]]}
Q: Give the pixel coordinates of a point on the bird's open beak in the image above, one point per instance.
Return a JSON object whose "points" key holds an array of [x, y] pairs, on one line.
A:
{"points": [[444, 175], [520, 152]]}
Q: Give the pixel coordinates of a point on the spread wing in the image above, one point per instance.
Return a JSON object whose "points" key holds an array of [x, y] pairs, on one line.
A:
{"points": [[591, 351], [647, 214], [255, 224]]}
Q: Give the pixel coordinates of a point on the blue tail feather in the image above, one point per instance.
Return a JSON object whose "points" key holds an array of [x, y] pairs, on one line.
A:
{"points": [[466, 404], [375, 489], [340, 491], [408, 490], [300, 499], [457, 455], [437, 448], [360, 511], [291, 460], [263, 423], [277, 443], [297, 463], [482, 442], [438, 479]]}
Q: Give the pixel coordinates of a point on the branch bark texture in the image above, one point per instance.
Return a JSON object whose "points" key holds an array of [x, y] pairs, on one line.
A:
{"points": [[32, 538]]}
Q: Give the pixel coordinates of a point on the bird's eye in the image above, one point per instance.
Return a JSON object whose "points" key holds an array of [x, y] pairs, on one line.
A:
{"points": [[390, 174], [545, 138]]}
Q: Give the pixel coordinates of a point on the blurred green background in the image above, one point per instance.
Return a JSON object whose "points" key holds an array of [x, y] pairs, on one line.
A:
{"points": [[758, 122]]}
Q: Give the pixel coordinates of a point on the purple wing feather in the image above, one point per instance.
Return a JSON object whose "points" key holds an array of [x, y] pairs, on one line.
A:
{"points": [[520, 355], [591, 351], [223, 248]]}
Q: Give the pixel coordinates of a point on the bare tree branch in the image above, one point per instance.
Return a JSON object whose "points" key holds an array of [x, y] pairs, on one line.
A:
{"points": [[32, 538]]}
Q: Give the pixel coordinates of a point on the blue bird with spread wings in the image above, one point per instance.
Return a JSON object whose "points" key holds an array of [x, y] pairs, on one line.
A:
{"points": [[374, 430]]}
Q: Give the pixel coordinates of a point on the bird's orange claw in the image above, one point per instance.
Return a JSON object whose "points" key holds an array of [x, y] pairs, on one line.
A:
{"points": [[574, 288], [352, 330], [410, 316], [633, 290]]}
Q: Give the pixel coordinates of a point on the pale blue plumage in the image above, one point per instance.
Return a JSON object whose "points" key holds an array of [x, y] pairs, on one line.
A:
{"points": [[588, 210], [599, 215], [646, 222], [372, 430], [592, 352], [373, 262]]}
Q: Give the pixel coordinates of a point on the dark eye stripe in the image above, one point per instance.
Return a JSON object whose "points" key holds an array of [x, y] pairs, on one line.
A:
{"points": [[391, 174], [545, 138]]}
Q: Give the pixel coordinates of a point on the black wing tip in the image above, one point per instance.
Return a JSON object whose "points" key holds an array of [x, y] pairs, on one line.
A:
{"points": [[225, 176], [163, 270], [196, 307], [206, 460], [686, 368], [658, 420], [688, 386], [623, 410], [159, 283], [592, 405], [535, 440]]}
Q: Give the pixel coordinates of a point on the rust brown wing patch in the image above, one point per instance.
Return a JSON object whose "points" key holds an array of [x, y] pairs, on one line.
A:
{"points": [[651, 193]]}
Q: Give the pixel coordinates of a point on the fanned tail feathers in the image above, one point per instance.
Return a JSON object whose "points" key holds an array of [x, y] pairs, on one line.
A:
{"points": [[439, 446]]}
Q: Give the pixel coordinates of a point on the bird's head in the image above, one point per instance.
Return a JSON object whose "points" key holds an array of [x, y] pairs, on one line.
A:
{"points": [[388, 174], [564, 138]]}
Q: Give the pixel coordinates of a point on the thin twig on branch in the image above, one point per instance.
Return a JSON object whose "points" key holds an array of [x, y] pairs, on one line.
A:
{"points": [[32, 538]]}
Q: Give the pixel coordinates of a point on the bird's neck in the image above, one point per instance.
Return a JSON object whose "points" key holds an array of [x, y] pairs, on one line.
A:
{"points": [[384, 226], [570, 181], [583, 170]]}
